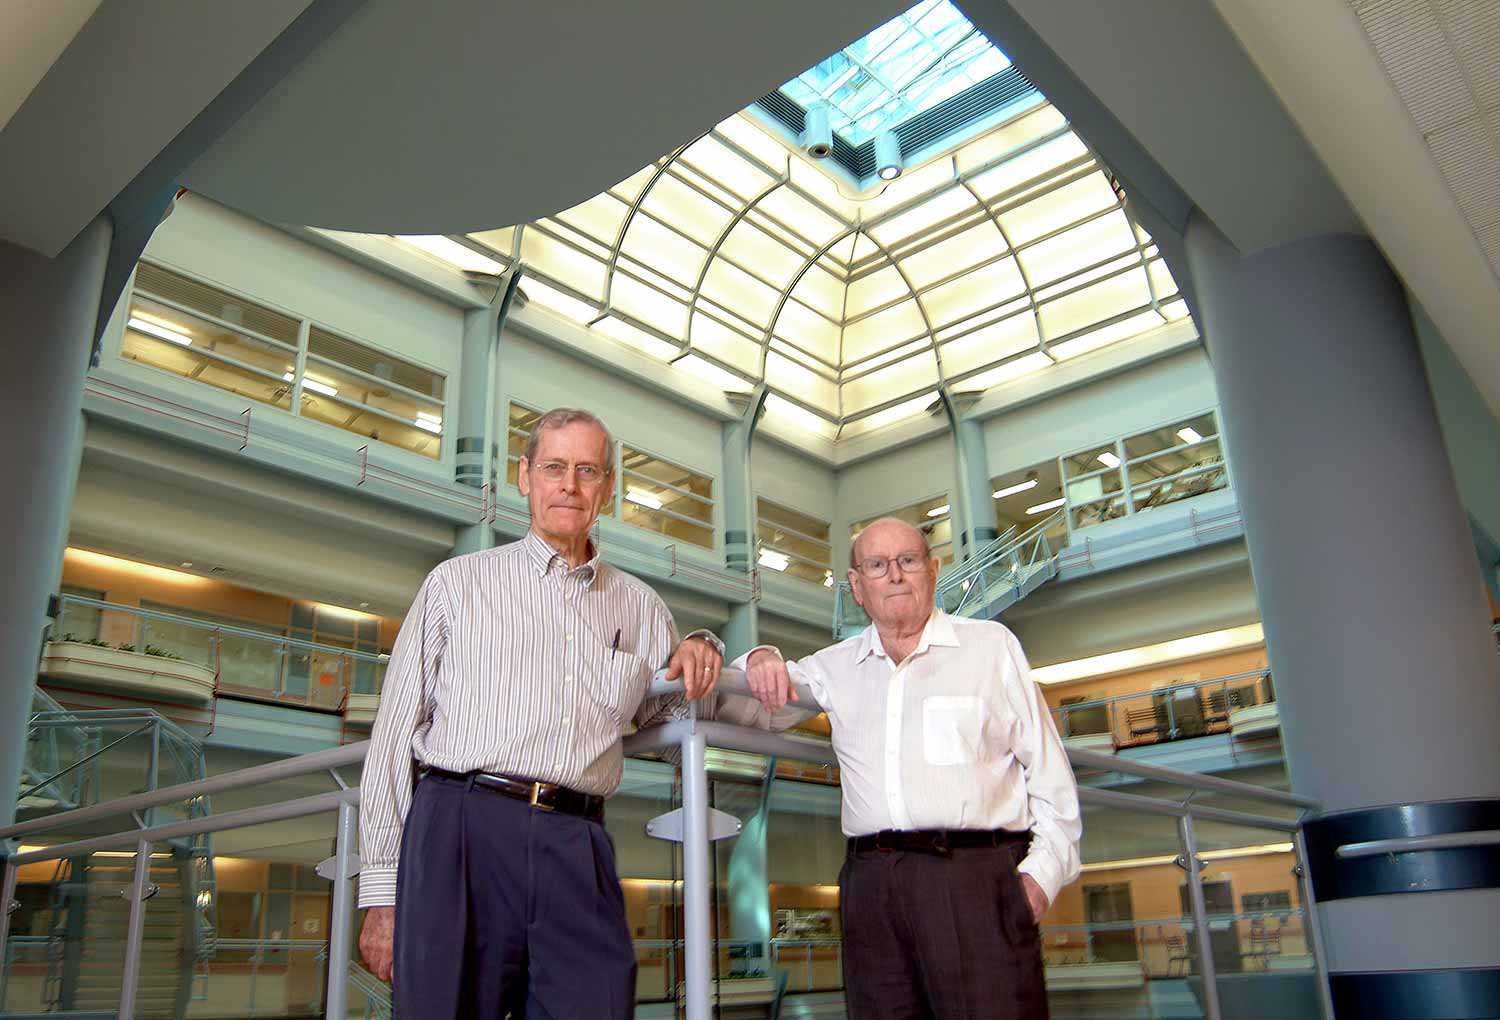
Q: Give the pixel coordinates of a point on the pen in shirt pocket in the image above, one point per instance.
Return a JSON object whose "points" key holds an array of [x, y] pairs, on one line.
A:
{"points": [[614, 646]]}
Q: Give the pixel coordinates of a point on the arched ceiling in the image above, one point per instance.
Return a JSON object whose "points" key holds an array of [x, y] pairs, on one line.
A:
{"points": [[742, 261]]}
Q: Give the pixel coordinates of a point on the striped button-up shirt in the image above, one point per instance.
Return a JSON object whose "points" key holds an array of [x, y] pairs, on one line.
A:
{"points": [[510, 662]]}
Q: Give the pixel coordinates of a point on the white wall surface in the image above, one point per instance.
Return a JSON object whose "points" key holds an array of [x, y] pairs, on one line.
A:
{"points": [[890, 481], [784, 476]]}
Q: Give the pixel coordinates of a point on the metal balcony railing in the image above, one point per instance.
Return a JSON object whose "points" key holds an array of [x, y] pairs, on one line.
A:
{"points": [[692, 738]]}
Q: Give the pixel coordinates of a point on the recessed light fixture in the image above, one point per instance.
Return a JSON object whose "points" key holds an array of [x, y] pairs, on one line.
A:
{"points": [[140, 325], [888, 155], [1042, 508], [644, 499], [1108, 459], [1011, 490], [773, 559], [938, 511], [828, 579], [309, 383], [364, 605], [1188, 434], [187, 563]]}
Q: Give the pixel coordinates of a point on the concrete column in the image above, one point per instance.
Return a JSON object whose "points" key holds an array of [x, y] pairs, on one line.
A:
{"points": [[1375, 617], [973, 507], [49, 308], [474, 385], [742, 632], [478, 427]]}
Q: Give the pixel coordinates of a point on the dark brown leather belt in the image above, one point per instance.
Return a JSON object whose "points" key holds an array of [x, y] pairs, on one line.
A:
{"points": [[936, 841], [546, 796]]}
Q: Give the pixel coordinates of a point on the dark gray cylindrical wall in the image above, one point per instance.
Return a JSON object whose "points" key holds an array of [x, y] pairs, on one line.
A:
{"points": [[49, 308], [1373, 607]]}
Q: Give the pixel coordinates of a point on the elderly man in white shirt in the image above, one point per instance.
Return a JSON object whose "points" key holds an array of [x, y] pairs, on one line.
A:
{"points": [[958, 799]]}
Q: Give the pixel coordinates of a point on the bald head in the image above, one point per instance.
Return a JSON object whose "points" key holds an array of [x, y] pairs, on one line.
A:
{"points": [[887, 526]]}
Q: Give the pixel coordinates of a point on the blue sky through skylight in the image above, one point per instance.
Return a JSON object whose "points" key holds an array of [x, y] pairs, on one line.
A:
{"points": [[910, 64]]}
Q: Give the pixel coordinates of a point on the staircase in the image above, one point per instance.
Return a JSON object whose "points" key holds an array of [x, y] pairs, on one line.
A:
{"points": [[91, 908], [999, 575]]}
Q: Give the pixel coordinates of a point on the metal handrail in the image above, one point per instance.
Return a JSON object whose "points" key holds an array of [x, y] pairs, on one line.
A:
{"points": [[224, 628], [690, 735]]}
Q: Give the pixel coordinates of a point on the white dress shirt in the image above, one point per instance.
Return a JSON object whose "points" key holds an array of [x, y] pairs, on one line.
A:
{"points": [[510, 662], [955, 737]]}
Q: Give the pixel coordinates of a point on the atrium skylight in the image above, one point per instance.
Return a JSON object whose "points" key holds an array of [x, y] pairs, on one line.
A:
{"points": [[906, 66], [742, 261]]}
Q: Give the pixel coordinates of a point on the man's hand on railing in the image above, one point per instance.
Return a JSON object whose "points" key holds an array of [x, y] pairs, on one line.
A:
{"points": [[769, 680], [377, 941]]}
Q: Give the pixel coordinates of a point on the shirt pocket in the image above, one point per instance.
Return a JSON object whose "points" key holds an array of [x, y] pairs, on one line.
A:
{"points": [[616, 683], [951, 729]]}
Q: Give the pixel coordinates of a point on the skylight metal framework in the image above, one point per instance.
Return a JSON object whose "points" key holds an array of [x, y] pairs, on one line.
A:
{"points": [[741, 262], [906, 66]]}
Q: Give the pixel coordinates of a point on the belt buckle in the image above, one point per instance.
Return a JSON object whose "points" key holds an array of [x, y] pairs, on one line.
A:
{"points": [[535, 800], [940, 842], [880, 842]]}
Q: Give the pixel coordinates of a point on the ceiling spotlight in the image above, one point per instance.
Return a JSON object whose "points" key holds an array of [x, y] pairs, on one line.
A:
{"points": [[888, 155], [817, 135]]}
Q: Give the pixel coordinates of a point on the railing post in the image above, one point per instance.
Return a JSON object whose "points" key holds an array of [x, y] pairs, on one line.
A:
{"points": [[1312, 926], [153, 767], [341, 931], [7, 897], [697, 929], [135, 929], [1200, 918]]}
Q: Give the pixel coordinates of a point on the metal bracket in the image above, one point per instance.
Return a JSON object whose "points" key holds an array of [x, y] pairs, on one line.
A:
{"points": [[151, 890], [670, 826], [1299, 870], [328, 867], [1181, 861], [12, 907]]}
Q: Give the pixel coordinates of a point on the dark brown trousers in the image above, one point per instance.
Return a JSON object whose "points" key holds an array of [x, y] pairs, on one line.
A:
{"points": [[932, 936]]}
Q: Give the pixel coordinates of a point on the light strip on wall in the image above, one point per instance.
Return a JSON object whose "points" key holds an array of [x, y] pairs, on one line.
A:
{"points": [[773, 559], [87, 558], [1011, 490], [1192, 647], [644, 499], [140, 325], [938, 511]]}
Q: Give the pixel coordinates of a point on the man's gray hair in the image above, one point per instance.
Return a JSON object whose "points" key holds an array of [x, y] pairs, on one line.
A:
{"points": [[559, 417], [854, 545]]}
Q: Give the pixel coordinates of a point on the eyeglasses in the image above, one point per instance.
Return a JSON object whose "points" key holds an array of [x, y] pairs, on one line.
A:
{"points": [[879, 566], [588, 475]]}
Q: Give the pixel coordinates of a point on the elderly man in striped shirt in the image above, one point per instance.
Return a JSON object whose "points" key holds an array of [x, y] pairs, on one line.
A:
{"points": [[488, 881]]}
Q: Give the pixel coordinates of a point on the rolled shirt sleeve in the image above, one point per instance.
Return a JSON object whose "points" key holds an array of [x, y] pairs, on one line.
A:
{"points": [[405, 706], [1053, 860]]}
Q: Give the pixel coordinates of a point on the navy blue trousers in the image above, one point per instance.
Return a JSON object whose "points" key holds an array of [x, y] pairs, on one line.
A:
{"points": [[503, 909]]}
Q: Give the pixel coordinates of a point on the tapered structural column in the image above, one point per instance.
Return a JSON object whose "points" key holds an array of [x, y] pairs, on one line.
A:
{"points": [[477, 427], [48, 312], [1375, 619], [974, 508], [742, 632]]}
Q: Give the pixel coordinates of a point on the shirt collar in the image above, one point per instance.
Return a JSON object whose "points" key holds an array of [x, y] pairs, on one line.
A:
{"points": [[937, 631], [543, 556]]}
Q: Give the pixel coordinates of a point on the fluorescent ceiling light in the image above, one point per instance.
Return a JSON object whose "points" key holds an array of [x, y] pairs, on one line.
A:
{"points": [[113, 563], [938, 511], [309, 383], [1041, 508], [1011, 490], [1188, 434], [644, 499], [1192, 647], [140, 325], [427, 424], [828, 579], [459, 256], [1108, 459], [773, 559], [346, 613]]}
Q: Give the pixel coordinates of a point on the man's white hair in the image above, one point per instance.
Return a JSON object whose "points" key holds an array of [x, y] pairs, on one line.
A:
{"points": [[559, 417]]}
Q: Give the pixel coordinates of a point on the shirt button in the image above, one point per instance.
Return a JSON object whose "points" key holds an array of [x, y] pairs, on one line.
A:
{"points": [[570, 637], [568, 678], [567, 720]]}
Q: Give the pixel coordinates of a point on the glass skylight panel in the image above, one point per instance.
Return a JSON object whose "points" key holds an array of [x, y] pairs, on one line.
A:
{"points": [[906, 66]]}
